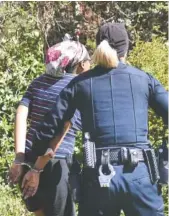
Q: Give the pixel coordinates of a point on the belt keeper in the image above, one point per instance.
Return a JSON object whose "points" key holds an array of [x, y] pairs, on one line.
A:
{"points": [[133, 157], [69, 159], [124, 155], [105, 157]]}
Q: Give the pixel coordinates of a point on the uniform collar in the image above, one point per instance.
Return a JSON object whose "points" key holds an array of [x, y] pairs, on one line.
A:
{"points": [[105, 70]]}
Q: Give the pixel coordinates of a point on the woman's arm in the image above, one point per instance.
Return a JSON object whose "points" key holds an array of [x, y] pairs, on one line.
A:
{"points": [[20, 140], [20, 129]]}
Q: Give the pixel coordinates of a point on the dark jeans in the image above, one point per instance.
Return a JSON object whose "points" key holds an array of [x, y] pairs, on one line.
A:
{"points": [[130, 191], [53, 195]]}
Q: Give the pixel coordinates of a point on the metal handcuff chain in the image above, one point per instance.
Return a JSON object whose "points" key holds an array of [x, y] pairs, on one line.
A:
{"points": [[29, 166], [49, 152]]}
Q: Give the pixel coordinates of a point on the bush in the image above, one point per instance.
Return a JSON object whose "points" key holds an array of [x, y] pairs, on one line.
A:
{"points": [[11, 203], [152, 58], [21, 60]]}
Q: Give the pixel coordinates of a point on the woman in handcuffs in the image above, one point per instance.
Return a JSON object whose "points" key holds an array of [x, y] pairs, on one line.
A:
{"points": [[44, 180]]}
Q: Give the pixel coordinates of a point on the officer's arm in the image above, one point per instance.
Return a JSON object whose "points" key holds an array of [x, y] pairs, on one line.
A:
{"points": [[53, 123], [158, 99]]}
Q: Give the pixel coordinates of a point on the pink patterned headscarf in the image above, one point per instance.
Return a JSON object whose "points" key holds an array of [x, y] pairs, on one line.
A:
{"points": [[64, 56]]}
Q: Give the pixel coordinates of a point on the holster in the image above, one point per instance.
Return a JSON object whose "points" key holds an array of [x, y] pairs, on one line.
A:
{"points": [[152, 165]]}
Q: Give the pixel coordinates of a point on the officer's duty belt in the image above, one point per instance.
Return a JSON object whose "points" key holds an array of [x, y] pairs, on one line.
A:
{"points": [[131, 157], [119, 155]]}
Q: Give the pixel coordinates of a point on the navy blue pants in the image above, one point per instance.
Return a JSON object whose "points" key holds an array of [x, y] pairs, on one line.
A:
{"points": [[130, 190]]}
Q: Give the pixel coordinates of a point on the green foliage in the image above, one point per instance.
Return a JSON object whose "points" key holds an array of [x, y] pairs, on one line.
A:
{"points": [[22, 28], [21, 60], [152, 58], [10, 203]]}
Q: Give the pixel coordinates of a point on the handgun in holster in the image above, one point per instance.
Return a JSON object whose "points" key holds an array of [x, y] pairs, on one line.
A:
{"points": [[152, 165]]}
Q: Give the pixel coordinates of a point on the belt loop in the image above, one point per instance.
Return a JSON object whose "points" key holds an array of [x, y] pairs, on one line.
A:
{"points": [[69, 159], [133, 157], [105, 157], [124, 155]]}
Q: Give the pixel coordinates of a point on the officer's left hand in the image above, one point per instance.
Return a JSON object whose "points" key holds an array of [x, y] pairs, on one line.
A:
{"points": [[30, 183]]}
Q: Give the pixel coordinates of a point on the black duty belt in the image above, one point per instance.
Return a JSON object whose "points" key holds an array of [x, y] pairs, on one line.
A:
{"points": [[130, 156], [119, 155]]}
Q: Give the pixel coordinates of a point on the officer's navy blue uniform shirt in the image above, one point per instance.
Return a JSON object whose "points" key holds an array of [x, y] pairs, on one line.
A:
{"points": [[113, 104]]}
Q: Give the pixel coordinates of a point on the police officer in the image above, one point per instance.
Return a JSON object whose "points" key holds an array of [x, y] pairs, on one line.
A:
{"points": [[113, 99]]}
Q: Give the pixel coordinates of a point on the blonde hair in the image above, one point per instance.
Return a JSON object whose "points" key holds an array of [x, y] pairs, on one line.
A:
{"points": [[105, 56]]}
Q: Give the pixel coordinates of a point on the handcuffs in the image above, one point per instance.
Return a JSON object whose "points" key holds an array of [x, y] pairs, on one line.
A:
{"points": [[28, 165], [49, 152], [104, 179]]}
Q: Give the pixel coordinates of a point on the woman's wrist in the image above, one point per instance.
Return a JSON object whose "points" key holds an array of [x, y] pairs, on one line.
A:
{"points": [[41, 162], [19, 158]]}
